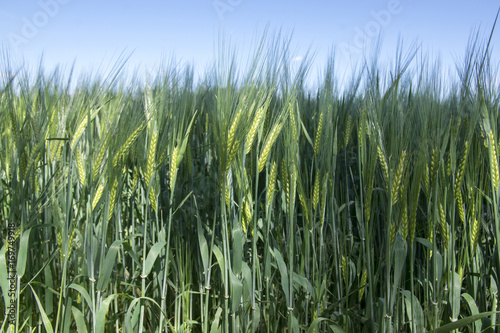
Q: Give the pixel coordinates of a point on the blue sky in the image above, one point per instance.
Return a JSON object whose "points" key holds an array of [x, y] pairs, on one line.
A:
{"points": [[94, 33]]}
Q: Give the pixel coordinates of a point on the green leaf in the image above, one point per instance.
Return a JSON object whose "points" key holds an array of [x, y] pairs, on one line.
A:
{"points": [[333, 326], [284, 274], [399, 262], [455, 286], [102, 312], [109, 263], [23, 253], [215, 327], [414, 311], [152, 255], [462, 322], [473, 309], [82, 292], [45, 319], [80, 320]]}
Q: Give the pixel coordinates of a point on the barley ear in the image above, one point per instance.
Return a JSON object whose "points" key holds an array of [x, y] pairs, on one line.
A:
{"points": [[253, 129], [318, 134], [79, 131], [79, 167], [271, 138]]}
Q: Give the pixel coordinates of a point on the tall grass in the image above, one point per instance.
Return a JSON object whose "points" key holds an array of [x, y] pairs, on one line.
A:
{"points": [[248, 203]]}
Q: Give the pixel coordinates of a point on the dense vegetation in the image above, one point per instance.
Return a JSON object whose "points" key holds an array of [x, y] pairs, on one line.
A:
{"points": [[246, 202]]}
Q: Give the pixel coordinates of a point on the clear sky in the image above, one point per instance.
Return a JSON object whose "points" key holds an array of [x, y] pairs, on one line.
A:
{"points": [[94, 33]]}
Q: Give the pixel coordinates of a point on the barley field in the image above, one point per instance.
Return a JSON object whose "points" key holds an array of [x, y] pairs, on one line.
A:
{"points": [[247, 202]]}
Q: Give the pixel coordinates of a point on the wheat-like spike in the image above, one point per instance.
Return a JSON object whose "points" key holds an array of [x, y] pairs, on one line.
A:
{"points": [[54, 148], [474, 234], [461, 167], [396, 181], [96, 168], [393, 231], [79, 131], [232, 130], [229, 176], [271, 138], [444, 226], [404, 220], [152, 198], [347, 133], [272, 183], [362, 284], [79, 167], [434, 166], [123, 150], [135, 178], [112, 197], [318, 134], [24, 163], [70, 243], [494, 162], [304, 207], [97, 195], [247, 216], [151, 157], [427, 185], [253, 129], [316, 191], [460, 205], [383, 163], [285, 182], [292, 121], [13, 122], [232, 154], [344, 269], [173, 166], [59, 244]]}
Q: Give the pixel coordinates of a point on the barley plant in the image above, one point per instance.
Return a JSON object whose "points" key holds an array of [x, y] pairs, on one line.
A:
{"points": [[244, 201]]}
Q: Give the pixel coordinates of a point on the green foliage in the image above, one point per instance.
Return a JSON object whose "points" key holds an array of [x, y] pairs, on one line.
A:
{"points": [[248, 203]]}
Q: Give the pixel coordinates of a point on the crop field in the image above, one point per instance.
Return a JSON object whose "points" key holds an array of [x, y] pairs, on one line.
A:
{"points": [[247, 202]]}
